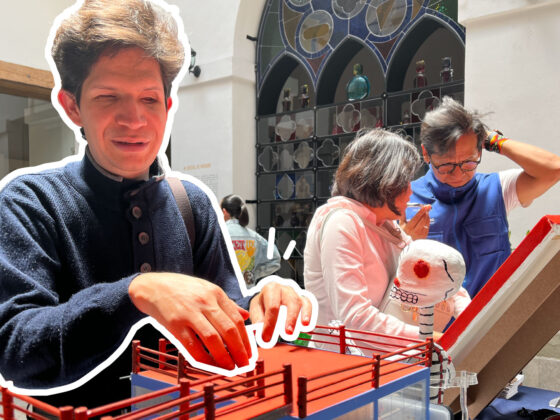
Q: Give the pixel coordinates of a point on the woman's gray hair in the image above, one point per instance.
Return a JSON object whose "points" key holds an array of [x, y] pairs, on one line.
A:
{"points": [[376, 168], [443, 126]]}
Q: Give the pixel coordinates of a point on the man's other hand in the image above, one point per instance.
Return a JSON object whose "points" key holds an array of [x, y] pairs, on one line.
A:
{"points": [[265, 307]]}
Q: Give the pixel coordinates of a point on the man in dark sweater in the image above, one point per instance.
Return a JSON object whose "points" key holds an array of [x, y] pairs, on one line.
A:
{"points": [[89, 249]]}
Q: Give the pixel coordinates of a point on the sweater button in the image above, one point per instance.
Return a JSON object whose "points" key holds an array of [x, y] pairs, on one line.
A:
{"points": [[145, 268], [137, 212], [144, 238]]}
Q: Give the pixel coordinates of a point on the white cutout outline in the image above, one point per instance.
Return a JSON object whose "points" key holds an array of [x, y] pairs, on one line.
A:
{"points": [[270, 245], [254, 331], [289, 249]]}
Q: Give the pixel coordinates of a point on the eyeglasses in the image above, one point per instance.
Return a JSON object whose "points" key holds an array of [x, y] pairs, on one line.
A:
{"points": [[465, 166]]}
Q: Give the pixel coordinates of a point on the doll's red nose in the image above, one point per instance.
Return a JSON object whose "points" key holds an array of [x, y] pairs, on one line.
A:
{"points": [[421, 269]]}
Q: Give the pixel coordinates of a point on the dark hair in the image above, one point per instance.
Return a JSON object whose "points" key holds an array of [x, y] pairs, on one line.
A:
{"points": [[236, 208], [377, 167], [443, 126], [106, 26]]}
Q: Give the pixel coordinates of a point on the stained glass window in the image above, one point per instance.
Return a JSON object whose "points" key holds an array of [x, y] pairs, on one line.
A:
{"points": [[328, 68]]}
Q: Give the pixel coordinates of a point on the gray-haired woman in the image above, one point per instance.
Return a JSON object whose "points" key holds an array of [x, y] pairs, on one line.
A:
{"points": [[353, 241]]}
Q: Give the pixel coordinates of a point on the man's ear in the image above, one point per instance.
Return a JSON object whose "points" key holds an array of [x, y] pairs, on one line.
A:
{"points": [[68, 102], [425, 154], [169, 103]]}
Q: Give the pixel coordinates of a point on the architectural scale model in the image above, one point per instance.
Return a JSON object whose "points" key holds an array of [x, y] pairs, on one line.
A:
{"points": [[289, 381]]}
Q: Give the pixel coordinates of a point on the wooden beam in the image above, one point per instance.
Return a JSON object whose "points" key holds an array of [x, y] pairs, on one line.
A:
{"points": [[19, 80]]}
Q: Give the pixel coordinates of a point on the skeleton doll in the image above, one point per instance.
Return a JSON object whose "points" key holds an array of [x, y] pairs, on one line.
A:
{"points": [[429, 272]]}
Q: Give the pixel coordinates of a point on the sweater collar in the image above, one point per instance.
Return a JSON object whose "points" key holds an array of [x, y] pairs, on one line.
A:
{"points": [[113, 191], [447, 193]]}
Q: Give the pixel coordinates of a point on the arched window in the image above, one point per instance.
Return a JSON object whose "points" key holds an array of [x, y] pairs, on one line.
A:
{"points": [[326, 69]]}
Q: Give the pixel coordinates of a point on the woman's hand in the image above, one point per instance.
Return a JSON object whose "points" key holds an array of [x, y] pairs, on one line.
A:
{"points": [[419, 226]]}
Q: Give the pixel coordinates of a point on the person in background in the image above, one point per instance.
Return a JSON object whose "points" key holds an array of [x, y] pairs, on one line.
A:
{"points": [[353, 241], [468, 210], [250, 248]]}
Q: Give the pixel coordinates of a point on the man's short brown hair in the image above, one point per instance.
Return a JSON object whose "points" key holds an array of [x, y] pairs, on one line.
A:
{"points": [[106, 26]]}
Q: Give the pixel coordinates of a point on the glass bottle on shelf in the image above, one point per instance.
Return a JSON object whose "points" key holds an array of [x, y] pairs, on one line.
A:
{"points": [[304, 97], [420, 79], [446, 73], [358, 87], [287, 101]]}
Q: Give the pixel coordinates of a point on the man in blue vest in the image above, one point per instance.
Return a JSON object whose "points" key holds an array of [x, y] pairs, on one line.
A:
{"points": [[468, 210]]}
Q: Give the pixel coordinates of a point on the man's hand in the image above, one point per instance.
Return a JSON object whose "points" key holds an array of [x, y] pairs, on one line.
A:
{"points": [[419, 226], [266, 305], [198, 313]]}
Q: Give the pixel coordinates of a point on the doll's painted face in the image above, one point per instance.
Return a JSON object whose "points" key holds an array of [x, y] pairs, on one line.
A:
{"points": [[428, 272]]}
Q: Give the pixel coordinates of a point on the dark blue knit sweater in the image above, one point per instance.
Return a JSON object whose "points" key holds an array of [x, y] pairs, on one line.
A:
{"points": [[71, 241]]}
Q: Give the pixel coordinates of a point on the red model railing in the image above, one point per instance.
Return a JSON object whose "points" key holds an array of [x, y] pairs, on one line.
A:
{"points": [[10, 407], [367, 372], [211, 395], [342, 337], [218, 388]]}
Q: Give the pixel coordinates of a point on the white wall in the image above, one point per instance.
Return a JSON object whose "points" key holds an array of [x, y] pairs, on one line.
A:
{"points": [[511, 69], [24, 27], [214, 130]]}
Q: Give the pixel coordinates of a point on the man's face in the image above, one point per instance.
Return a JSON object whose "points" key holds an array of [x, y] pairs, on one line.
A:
{"points": [[465, 150], [123, 111]]}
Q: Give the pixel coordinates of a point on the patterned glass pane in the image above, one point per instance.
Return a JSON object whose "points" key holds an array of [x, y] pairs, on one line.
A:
{"points": [[303, 155], [316, 31], [266, 187], [324, 182]]}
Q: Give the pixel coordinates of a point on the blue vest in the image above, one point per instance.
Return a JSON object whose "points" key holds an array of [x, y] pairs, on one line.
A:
{"points": [[471, 219]]}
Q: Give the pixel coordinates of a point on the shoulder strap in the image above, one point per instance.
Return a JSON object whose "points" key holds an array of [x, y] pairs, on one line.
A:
{"points": [[182, 199]]}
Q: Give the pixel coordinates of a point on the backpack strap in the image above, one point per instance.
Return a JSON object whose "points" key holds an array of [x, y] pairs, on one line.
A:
{"points": [[182, 200]]}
